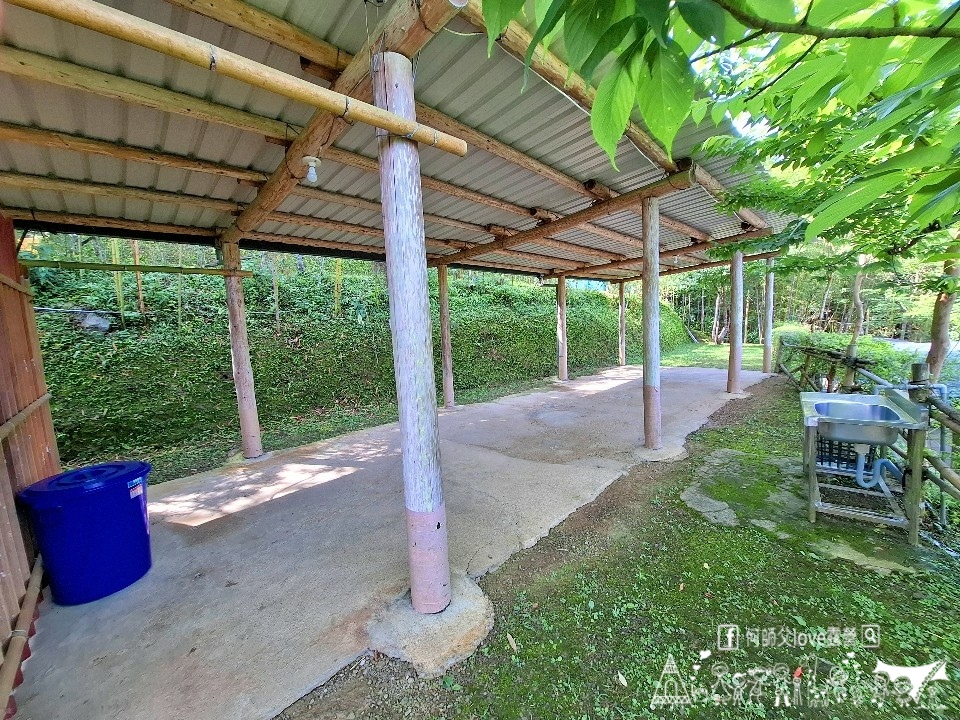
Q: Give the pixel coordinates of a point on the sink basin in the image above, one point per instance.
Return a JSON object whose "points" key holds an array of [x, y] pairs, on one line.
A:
{"points": [[866, 419]]}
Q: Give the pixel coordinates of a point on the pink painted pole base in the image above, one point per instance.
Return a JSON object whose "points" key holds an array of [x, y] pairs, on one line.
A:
{"points": [[429, 567], [651, 418]]}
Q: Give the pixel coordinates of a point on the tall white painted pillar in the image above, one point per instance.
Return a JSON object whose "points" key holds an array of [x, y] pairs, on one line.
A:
{"points": [[652, 423], [736, 323], [410, 329], [562, 328], [240, 355], [622, 350], [768, 319], [446, 344]]}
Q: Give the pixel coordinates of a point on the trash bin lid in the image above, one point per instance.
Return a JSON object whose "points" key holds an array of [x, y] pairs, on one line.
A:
{"points": [[74, 483]]}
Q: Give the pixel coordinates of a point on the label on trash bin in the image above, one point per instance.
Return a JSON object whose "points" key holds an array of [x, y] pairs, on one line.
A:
{"points": [[136, 487]]}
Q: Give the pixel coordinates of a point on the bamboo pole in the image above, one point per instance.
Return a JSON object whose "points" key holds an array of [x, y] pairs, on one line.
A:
{"points": [[670, 184], [736, 323], [21, 417], [21, 633], [240, 355], [768, 318], [120, 267], [412, 341], [652, 421], [141, 305], [446, 346], [622, 345], [121, 25], [562, 329]]}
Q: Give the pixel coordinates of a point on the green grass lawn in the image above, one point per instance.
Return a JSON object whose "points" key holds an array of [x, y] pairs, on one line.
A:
{"points": [[708, 355], [590, 636]]}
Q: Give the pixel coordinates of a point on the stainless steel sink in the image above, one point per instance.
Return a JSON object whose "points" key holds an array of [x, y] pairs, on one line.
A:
{"points": [[867, 419]]}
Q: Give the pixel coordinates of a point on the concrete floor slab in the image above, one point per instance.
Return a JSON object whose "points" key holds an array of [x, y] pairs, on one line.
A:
{"points": [[266, 574]]}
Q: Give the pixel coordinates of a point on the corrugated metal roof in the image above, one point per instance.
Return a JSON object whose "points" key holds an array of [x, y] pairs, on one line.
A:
{"points": [[453, 74]]}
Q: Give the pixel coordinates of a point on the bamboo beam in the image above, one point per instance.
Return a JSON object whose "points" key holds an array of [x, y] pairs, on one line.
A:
{"points": [[446, 344], [19, 287], [113, 267], [42, 68], [562, 329], [515, 39], [736, 323], [768, 318], [715, 188], [498, 231], [326, 58], [406, 28], [652, 416], [123, 26], [40, 182], [17, 420], [240, 355], [76, 143], [605, 193], [24, 216], [672, 183], [412, 343], [697, 247]]}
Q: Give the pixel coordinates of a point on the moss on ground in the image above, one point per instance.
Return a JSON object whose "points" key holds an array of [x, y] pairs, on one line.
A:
{"points": [[592, 635]]}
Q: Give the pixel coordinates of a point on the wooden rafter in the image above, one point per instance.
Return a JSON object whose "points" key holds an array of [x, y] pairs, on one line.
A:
{"points": [[716, 189], [680, 180], [41, 182], [515, 39], [75, 143], [406, 28], [688, 250], [124, 26], [327, 60], [42, 68], [25, 216], [317, 55]]}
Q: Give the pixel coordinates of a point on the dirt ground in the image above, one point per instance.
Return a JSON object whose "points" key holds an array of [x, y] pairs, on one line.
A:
{"points": [[378, 687]]}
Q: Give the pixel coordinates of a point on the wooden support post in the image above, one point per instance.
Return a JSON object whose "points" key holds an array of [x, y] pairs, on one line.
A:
{"points": [[651, 324], [622, 356], [768, 319], [916, 443], [240, 353], [736, 323], [412, 341], [810, 454], [562, 328], [446, 346]]}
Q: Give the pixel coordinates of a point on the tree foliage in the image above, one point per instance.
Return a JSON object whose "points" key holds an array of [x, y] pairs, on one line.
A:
{"points": [[859, 94]]}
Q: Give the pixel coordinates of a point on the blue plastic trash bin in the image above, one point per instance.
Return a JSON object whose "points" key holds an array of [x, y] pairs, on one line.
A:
{"points": [[92, 529]]}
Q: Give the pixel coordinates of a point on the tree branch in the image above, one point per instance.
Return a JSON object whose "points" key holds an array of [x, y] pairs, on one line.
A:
{"points": [[755, 22]]}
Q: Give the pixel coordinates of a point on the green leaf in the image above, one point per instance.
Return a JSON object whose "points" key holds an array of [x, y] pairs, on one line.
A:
{"points": [[497, 14], [666, 92], [920, 157], [698, 110], [550, 19], [610, 40], [585, 24], [705, 18], [938, 201], [864, 58], [616, 96], [656, 13], [849, 201]]}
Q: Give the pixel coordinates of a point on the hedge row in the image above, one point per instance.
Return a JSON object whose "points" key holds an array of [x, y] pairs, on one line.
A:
{"points": [[159, 384]]}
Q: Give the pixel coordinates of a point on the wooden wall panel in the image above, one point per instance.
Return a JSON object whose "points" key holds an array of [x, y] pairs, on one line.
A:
{"points": [[28, 447]]}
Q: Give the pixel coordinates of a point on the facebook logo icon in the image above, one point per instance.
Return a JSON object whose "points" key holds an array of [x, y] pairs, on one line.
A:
{"points": [[728, 637]]}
